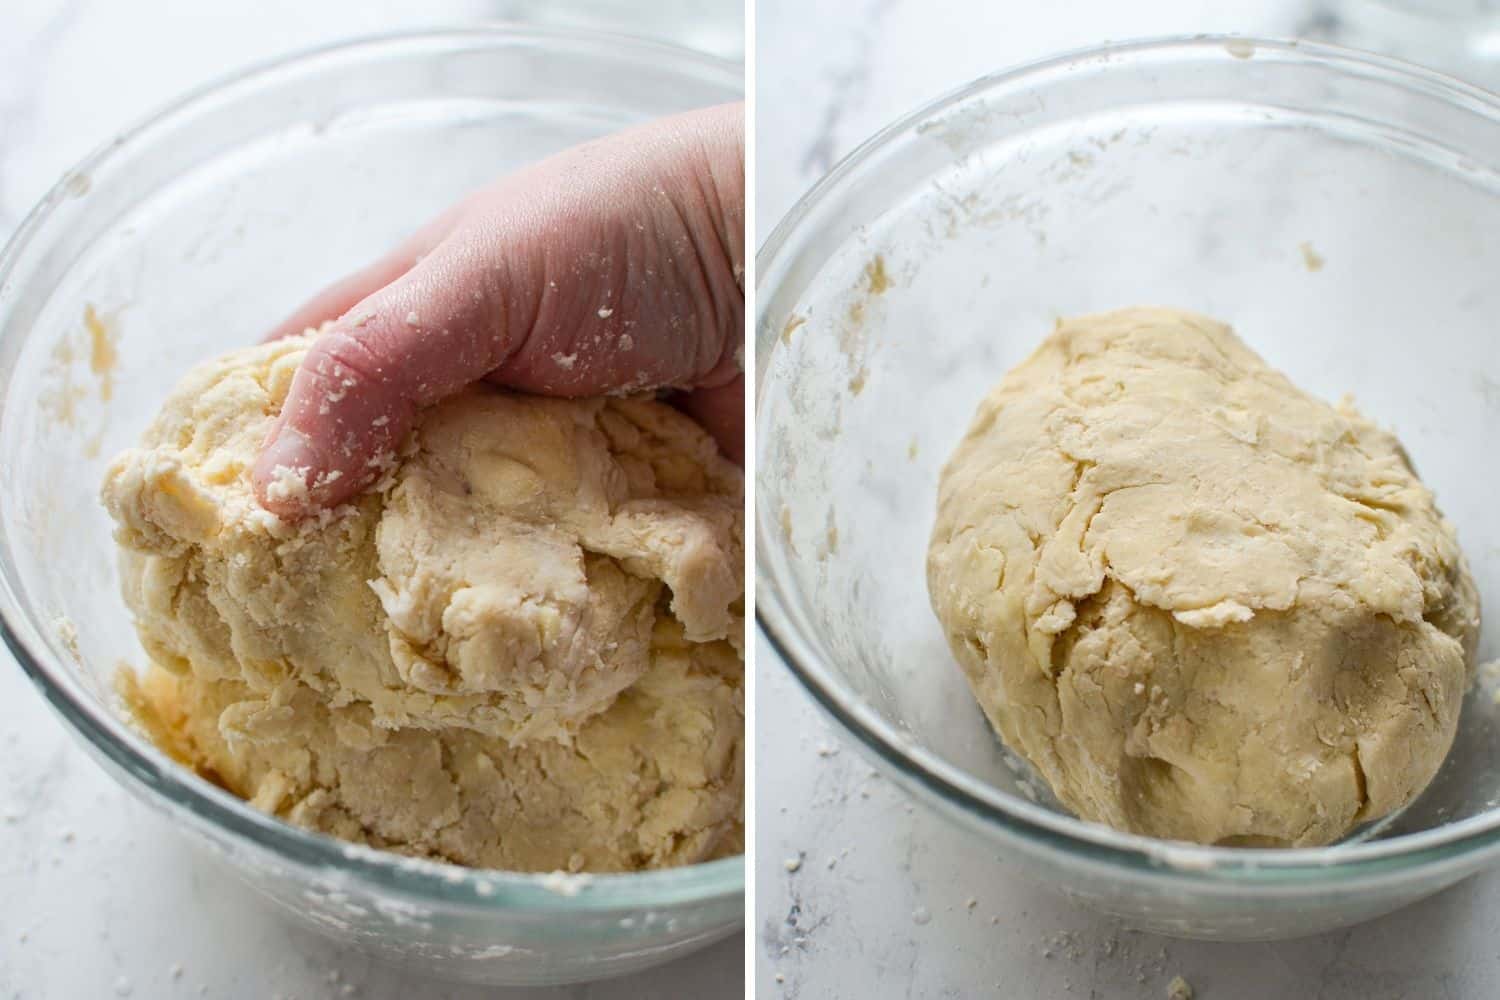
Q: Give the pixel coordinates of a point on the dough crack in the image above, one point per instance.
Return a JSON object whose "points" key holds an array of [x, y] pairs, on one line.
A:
{"points": [[1361, 783]]}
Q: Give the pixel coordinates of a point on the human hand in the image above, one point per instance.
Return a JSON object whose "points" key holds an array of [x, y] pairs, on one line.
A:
{"points": [[615, 266]]}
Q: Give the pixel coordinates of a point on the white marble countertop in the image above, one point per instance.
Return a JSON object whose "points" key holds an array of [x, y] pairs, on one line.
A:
{"points": [[842, 924], [98, 898]]}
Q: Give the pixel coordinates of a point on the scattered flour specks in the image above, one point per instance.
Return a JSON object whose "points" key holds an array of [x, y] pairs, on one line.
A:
{"points": [[565, 883]]}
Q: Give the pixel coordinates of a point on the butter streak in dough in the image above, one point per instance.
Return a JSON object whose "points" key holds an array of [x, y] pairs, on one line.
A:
{"points": [[520, 650], [1204, 604]]}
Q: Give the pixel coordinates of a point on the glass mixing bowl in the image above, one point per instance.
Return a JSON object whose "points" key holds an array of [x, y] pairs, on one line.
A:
{"points": [[198, 231], [1340, 210]]}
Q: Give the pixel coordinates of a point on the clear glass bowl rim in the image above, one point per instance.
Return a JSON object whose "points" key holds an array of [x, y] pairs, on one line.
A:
{"points": [[156, 776], [977, 801]]}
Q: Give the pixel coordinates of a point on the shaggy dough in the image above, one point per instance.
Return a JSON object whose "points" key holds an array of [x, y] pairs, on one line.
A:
{"points": [[1204, 604], [521, 649]]}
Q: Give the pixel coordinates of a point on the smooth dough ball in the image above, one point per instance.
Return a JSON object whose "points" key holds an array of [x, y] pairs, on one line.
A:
{"points": [[1202, 603], [521, 649]]}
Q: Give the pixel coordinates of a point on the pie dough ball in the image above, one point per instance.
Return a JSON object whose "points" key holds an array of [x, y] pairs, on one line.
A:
{"points": [[1204, 605], [522, 648]]}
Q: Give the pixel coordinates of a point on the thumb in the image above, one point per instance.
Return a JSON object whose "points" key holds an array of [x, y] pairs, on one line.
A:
{"points": [[720, 410], [358, 389], [351, 403]]}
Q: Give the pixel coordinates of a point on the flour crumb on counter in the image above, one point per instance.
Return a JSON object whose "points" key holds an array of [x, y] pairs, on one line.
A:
{"points": [[1179, 989], [1064, 942], [793, 865], [921, 916]]}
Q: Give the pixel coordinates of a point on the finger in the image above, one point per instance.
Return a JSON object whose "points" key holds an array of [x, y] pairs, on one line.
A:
{"points": [[353, 398], [720, 410], [613, 267]]}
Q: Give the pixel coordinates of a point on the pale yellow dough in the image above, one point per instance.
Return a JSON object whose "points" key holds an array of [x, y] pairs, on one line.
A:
{"points": [[521, 649], [1202, 603]]}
